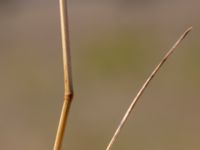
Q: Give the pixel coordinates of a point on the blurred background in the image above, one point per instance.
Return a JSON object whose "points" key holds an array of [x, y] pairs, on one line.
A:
{"points": [[115, 45]]}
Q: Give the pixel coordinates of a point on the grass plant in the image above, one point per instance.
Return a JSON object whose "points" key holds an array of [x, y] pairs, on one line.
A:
{"points": [[68, 88]]}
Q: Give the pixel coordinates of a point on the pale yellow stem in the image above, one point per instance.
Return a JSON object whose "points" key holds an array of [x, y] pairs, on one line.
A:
{"points": [[144, 86], [68, 89]]}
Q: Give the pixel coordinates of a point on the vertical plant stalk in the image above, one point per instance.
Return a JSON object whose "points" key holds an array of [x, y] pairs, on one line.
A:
{"points": [[144, 86], [68, 89]]}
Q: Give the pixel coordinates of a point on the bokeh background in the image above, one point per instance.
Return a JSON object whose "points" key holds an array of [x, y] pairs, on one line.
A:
{"points": [[115, 45]]}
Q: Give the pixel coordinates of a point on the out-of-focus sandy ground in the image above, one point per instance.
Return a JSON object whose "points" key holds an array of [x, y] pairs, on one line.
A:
{"points": [[115, 45]]}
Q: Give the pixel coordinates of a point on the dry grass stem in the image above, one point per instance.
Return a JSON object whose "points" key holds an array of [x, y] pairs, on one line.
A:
{"points": [[144, 86], [68, 89]]}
